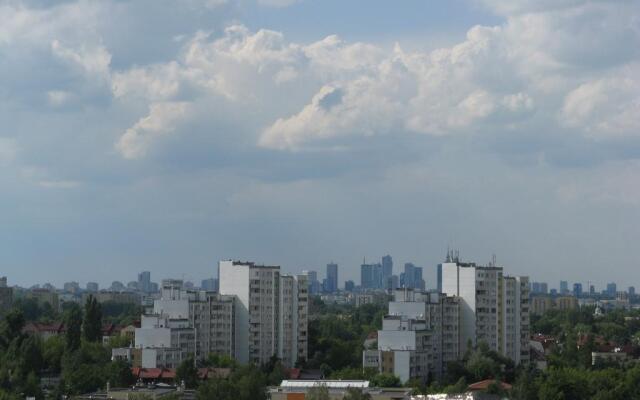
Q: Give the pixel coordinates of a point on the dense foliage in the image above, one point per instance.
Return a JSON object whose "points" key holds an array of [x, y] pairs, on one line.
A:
{"points": [[78, 357]]}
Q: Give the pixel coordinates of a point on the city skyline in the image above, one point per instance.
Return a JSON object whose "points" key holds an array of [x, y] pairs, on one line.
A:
{"points": [[145, 135], [430, 283]]}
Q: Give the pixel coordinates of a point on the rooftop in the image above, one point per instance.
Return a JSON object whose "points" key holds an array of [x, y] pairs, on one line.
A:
{"points": [[332, 384]]}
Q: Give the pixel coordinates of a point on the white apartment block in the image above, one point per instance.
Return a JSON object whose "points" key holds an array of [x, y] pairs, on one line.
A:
{"points": [[494, 308], [271, 312], [419, 335], [184, 323]]}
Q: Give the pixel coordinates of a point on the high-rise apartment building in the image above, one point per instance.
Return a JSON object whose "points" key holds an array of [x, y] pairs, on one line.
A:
{"points": [[183, 323], [271, 312], [419, 336], [494, 308], [332, 278]]}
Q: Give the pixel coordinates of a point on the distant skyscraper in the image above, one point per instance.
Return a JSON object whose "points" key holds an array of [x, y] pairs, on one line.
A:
{"points": [[411, 278], [387, 268], [349, 286], [577, 289], [371, 276], [314, 284], [631, 291], [117, 286], [210, 285], [92, 287], [332, 278], [144, 281], [392, 283], [71, 287], [564, 287], [592, 290], [612, 289], [544, 288], [539, 287]]}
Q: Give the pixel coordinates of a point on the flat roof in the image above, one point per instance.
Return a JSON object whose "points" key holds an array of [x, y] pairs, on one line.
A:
{"points": [[328, 383]]}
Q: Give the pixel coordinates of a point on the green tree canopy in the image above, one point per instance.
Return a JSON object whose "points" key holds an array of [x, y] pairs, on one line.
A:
{"points": [[92, 323]]}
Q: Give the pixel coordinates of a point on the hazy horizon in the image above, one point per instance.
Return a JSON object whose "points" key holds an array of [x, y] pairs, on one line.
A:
{"points": [[165, 136]]}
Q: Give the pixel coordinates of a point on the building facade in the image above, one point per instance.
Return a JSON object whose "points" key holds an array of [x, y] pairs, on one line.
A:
{"points": [[494, 307], [271, 312], [419, 336]]}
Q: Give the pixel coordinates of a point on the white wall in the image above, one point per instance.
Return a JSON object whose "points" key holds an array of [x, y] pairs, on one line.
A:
{"points": [[396, 340], [467, 307], [172, 308], [149, 358], [416, 310], [234, 280], [153, 337], [402, 365]]}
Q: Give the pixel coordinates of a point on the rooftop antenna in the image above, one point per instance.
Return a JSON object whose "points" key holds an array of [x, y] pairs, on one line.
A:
{"points": [[493, 260], [448, 258]]}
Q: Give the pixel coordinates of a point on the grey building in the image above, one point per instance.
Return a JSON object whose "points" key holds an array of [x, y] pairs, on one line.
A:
{"points": [[332, 278]]}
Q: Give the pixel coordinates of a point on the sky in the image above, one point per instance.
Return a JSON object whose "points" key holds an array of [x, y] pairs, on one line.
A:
{"points": [[167, 135]]}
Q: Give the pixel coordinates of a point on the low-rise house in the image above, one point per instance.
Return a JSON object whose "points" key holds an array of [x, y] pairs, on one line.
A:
{"points": [[44, 331]]}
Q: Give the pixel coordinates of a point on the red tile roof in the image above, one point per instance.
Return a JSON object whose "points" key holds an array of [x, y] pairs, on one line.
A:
{"points": [[484, 385]]}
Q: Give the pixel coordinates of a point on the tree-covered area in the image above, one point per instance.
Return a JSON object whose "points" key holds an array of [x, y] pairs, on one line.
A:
{"points": [[337, 334], [78, 357], [570, 373]]}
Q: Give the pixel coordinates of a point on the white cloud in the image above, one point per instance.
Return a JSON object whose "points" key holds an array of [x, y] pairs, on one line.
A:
{"points": [[502, 78], [8, 150], [93, 61], [606, 107], [161, 120], [278, 3]]}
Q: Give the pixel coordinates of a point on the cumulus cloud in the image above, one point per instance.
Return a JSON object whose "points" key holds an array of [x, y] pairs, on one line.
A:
{"points": [[92, 61], [605, 107], [161, 120]]}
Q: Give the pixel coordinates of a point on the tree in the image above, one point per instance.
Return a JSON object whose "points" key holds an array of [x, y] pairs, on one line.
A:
{"points": [[385, 380], [217, 388], [187, 373], [11, 326], [92, 325], [356, 394], [318, 393], [119, 374], [73, 324]]}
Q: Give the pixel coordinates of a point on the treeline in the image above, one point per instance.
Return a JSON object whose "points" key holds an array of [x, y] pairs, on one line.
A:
{"points": [[78, 357], [112, 312]]}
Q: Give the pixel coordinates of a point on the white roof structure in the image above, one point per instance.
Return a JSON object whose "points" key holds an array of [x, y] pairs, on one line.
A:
{"points": [[331, 384]]}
